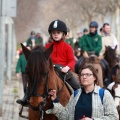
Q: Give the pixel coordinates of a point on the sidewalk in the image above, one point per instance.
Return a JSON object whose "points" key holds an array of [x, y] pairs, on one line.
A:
{"points": [[11, 92]]}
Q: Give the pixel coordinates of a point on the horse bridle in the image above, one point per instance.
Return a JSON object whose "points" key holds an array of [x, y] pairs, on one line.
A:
{"points": [[44, 95], [117, 96]]}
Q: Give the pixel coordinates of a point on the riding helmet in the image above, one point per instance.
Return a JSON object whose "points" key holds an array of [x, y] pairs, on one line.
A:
{"points": [[68, 30], [32, 33], [57, 25], [93, 24]]}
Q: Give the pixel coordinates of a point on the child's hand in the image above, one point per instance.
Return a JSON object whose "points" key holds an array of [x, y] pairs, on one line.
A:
{"points": [[65, 69], [52, 93]]}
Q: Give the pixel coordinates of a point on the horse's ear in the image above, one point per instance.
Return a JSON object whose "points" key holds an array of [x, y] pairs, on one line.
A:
{"points": [[48, 51], [106, 48], [26, 51]]}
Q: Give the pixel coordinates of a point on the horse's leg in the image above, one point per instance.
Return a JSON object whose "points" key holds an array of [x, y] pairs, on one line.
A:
{"points": [[99, 74], [33, 115]]}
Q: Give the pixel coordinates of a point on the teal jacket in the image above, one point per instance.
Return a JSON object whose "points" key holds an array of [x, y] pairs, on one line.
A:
{"points": [[80, 41], [37, 41], [21, 64], [92, 43]]}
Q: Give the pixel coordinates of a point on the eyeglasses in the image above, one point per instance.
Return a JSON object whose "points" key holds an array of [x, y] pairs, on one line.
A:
{"points": [[86, 74]]}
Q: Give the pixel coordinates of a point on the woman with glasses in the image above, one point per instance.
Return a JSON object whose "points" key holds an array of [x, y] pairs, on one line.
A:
{"points": [[86, 102]]}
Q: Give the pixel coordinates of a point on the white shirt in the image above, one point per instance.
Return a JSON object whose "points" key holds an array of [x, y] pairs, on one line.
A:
{"points": [[109, 40]]}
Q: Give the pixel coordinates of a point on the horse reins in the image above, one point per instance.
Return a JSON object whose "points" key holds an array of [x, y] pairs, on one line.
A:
{"points": [[44, 95], [117, 96], [38, 95]]}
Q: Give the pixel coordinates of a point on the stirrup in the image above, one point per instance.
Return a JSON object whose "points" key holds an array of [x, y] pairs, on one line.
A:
{"points": [[21, 114]]}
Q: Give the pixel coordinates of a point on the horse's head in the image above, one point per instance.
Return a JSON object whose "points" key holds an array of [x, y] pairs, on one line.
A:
{"points": [[116, 89], [38, 69], [92, 58], [110, 55]]}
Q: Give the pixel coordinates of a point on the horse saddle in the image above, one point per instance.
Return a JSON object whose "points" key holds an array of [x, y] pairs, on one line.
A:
{"points": [[104, 64], [70, 79], [57, 68]]}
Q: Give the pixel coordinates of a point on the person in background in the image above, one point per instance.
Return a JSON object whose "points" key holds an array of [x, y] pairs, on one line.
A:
{"points": [[21, 67], [92, 41], [39, 39], [34, 40], [31, 40], [69, 39], [78, 39], [85, 103], [77, 48], [85, 32], [108, 39]]}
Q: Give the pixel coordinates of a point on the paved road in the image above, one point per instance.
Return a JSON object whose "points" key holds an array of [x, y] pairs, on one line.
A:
{"points": [[12, 91]]}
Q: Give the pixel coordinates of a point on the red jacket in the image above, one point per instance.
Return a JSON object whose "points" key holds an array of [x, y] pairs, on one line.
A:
{"points": [[62, 54]]}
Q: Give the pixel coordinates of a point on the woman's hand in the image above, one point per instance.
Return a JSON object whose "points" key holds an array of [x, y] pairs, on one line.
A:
{"points": [[86, 118], [65, 69], [52, 94]]}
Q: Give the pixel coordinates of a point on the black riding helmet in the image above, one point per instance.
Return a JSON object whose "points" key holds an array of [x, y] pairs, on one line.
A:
{"points": [[57, 25], [93, 24]]}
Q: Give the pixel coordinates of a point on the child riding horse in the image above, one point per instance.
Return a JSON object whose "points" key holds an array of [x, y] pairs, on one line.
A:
{"points": [[41, 79]]}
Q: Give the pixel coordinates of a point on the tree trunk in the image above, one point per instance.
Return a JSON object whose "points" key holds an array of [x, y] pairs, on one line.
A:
{"points": [[117, 12], [113, 23]]}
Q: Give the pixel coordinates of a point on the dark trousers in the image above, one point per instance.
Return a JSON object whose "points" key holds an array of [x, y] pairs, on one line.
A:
{"points": [[24, 81]]}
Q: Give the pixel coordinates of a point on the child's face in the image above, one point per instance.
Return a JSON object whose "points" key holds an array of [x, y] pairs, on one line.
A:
{"points": [[57, 35]]}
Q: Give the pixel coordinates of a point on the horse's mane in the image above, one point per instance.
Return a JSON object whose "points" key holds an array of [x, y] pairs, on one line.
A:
{"points": [[110, 55], [37, 65]]}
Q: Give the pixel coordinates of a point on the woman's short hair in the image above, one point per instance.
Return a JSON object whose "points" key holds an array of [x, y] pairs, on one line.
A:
{"points": [[92, 69]]}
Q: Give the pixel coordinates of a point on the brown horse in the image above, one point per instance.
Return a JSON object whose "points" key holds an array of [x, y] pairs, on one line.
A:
{"points": [[91, 59], [113, 60], [110, 56], [42, 78]]}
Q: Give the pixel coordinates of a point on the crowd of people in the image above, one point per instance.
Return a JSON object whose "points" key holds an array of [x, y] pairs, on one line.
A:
{"points": [[85, 102], [90, 40]]}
